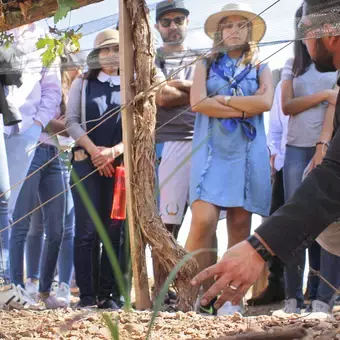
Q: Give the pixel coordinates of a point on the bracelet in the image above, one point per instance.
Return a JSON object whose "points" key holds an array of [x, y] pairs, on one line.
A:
{"points": [[322, 143], [243, 115], [259, 247]]}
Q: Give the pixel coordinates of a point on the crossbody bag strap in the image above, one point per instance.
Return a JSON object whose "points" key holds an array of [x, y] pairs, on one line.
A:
{"points": [[83, 103]]}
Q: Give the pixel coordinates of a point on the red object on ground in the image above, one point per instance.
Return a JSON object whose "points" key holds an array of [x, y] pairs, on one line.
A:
{"points": [[118, 211]]}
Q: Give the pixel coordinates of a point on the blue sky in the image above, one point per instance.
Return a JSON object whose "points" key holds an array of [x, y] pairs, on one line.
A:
{"points": [[279, 19]]}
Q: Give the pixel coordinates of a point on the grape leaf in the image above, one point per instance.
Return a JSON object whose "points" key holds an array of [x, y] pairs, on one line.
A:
{"points": [[64, 6], [43, 42]]}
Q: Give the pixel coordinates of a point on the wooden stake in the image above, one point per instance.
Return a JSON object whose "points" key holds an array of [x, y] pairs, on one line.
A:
{"points": [[137, 244]]}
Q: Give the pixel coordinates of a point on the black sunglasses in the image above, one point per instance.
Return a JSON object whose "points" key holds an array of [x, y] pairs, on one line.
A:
{"points": [[166, 22]]}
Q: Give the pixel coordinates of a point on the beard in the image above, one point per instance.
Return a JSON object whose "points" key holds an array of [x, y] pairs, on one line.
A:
{"points": [[174, 37], [323, 58]]}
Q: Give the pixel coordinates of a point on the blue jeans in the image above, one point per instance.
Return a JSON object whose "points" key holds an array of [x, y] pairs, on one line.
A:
{"points": [[47, 182], [94, 273], [16, 154], [4, 221], [35, 238], [330, 270], [296, 160]]}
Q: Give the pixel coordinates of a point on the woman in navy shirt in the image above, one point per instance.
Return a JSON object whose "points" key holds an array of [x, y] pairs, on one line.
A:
{"points": [[90, 97]]}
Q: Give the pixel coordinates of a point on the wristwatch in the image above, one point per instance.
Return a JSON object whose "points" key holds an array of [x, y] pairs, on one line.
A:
{"points": [[260, 248], [226, 100]]}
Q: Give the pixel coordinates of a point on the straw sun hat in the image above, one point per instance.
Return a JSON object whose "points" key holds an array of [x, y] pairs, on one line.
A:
{"points": [[258, 24]]}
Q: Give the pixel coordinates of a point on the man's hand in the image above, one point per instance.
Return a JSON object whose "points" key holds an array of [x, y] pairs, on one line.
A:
{"points": [[235, 273]]}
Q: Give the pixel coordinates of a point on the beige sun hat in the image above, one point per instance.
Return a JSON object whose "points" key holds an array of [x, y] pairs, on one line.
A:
{"points": [[258, 24]]}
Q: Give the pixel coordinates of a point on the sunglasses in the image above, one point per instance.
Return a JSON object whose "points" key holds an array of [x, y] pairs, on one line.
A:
{"points": [[166, 22]]}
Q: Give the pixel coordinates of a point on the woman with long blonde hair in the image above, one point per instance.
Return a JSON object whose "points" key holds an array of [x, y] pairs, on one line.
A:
{"points": [[230, 162]]}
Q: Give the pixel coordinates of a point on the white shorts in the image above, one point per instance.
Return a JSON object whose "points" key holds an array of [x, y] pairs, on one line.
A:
{"points": [[174, 180]]}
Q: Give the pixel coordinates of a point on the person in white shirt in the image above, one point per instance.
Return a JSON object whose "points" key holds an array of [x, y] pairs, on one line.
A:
{"points": [[276, 141], [38, 100]]}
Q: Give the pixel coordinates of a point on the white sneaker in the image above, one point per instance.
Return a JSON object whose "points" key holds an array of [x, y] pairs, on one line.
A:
{"points": [[55, 286], [289, 308], [320, 307], [51, 302], [63, 293], [32, 289], [229, 309], [16, 297]]}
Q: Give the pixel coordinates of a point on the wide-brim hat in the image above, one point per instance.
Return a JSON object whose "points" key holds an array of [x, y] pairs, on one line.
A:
{"points": [[258, 24], [105, 38]]}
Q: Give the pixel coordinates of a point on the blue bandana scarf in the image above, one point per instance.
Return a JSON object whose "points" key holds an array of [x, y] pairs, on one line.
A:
{"points": [[225, 69]]}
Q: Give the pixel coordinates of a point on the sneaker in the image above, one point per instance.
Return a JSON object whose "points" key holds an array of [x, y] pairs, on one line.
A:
{"points": [[55, 286], [107, 304], [63, 293], [320, 307], [16, 297], [51, 302], [209, 310], [289, 308], [85, 302], [320, 310], [229, 309], [32, 288]]}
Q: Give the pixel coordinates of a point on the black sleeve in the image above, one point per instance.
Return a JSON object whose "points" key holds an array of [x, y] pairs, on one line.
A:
{"points": [[314, 206], [10, 68]]}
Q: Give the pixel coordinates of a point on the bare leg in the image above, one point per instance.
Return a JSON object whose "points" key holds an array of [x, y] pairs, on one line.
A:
{"points": [[238, 225], [202, 230]]}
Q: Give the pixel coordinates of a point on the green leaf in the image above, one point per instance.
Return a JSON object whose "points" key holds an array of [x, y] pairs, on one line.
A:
{"points": [[113, 327], [44, 42], [48, 57], [64, 6]]}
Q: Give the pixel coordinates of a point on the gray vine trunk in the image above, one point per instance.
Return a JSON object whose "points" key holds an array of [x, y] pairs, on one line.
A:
{"points": [[165, 249]]}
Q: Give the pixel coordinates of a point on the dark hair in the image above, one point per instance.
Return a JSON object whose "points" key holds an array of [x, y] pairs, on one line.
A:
{"points": [[93, 64], [302, 59]]}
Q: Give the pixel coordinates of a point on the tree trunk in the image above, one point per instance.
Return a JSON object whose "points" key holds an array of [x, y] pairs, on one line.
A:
{"points": [[164, 246]]}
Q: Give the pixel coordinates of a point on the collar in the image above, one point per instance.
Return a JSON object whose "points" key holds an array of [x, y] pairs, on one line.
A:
{"points": [[103, 78]]}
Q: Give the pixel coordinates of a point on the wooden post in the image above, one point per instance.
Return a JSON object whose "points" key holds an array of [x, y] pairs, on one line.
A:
{"points": [[137, 244]]}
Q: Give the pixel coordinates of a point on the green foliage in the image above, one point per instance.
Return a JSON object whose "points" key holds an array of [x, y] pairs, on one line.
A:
{"points": [[55, 44], [6, 39], [113, 327], [64, 7]]}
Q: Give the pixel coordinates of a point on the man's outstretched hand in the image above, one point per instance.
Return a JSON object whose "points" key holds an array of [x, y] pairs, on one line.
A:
{"points": [[234, 274]]}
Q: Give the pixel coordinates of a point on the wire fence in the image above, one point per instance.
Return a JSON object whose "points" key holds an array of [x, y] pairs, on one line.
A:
{"points": [[202, 53]]}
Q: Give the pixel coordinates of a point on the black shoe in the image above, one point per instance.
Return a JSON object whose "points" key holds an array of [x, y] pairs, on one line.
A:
{"points": [[107, 304], [86, 301], [274, 293], [170, 297]]}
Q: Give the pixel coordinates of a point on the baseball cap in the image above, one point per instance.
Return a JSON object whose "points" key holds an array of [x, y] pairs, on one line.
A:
{"points": [[170, 6]]}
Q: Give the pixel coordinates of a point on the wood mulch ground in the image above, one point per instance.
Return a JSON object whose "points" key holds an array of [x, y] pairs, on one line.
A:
{"points": [[79, 324]]}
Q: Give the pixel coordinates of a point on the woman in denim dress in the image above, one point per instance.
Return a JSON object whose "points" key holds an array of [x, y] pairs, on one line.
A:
{"points": [[230, 162]]}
